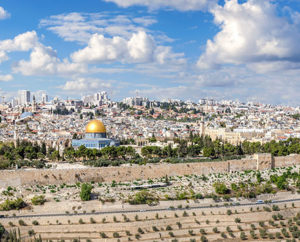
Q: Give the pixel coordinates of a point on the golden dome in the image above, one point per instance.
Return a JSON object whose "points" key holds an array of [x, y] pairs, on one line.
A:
{"points": [[95, 126]]}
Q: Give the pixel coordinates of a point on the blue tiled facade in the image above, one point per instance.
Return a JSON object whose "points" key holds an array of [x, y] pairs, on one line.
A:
{"points": [[94, 143]]}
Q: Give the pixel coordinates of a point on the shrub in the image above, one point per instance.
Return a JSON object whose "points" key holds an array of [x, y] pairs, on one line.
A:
{"points": [[243, 236], [92, 220], [171, 234], [2, 230], [275, 208], [169, 227], [86, 191], [38, 200], [203, 239], [12, 204], [81, 221], [223, 235], [229, 212], [143, 197], [155, 229], [103, 235], [35, 222], [22, 223], [116, 235], [237, 220], [215, 230], [220, 188], [191, 232], [31, 232], [140, 231]]}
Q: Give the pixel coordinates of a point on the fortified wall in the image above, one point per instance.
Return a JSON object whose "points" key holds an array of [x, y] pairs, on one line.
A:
{"points": [[129, 173]]}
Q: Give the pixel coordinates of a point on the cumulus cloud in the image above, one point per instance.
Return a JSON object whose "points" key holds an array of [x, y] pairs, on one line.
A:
{"points": [[139, 48], [181, 5], [6, 78], [85, 85], [44, 61], [251, 32], [22, 42], [3, 13]]}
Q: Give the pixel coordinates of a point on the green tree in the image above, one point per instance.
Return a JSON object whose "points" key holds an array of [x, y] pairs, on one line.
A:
{"points": [[86, 191]]}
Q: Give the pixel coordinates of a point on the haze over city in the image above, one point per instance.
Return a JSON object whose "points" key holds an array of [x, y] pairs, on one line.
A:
{"points": [[246, 50]]}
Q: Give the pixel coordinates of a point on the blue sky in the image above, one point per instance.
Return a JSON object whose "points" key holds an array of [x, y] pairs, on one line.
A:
{"points": [[183, 49]]}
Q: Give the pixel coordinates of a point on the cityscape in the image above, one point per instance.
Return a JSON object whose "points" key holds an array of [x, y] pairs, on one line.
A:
{"points": [[157, 120]]}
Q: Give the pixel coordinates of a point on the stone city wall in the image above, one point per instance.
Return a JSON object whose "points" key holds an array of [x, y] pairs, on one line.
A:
{"points": [[129, 173]]}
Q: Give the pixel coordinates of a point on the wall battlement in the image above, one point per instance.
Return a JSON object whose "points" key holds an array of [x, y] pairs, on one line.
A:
{"points": [[129, 173]]}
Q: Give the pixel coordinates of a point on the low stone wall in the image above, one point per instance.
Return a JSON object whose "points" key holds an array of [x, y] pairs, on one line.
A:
{"points": [[129, 173]]}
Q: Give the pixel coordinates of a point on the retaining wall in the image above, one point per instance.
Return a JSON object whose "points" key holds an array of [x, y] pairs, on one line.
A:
{"points": [[129, 173]]}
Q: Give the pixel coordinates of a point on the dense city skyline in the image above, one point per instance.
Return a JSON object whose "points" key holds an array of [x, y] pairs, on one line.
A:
{"points": [[246, 50]]}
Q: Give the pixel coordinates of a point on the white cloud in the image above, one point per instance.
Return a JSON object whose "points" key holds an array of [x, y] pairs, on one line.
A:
{"points": [[44, 61], [85, 85], [3, 13], [139, 48], [6, 78], [81, 26], [22, 42], [181, 5], [251, 32]]}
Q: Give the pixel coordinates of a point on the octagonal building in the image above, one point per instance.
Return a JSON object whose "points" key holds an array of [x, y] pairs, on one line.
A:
{"points": [[95, 137]]}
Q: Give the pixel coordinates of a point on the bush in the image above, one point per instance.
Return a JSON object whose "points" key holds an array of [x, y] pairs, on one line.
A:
{"points": [[168, 227], [204, 239], [12, 204], [116, 235], [215, 230], [38, 200], [143, 197], [35, 222], [86, 191], [243, 236], [229, 212], [22, 223], [2, 230], [103, 235], [237, 220], [220, 188]]}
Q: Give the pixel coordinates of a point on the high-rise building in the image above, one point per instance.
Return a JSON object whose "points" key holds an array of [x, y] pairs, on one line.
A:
{"points": [[45, 98], [24, 97]]}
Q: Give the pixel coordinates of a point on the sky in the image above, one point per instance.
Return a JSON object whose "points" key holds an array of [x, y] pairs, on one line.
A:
{"points": [[245, 50]]}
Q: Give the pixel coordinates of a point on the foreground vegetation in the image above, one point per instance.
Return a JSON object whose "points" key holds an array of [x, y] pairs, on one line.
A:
{"points": [[29, 154], [256, 223]]}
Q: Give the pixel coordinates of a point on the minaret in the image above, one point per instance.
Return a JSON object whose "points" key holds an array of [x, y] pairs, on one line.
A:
{"points": [[33, 104], [15, 135]]}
